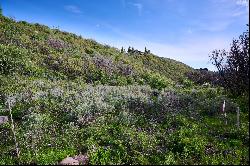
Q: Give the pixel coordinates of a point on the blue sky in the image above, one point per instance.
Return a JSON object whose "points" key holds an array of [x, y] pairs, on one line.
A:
{"points": [[184, 30]]}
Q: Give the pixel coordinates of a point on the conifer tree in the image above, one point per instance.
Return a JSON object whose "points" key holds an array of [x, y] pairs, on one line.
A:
{"points": [[129, 49], [122, 50]]}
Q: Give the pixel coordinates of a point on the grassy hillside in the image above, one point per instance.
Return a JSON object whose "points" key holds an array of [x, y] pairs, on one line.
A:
{"points": [[69, 95]]}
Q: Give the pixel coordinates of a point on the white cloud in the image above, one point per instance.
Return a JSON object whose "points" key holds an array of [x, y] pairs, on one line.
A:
{"points": [[243, 2], [215, 26], [224, 14], [73, 9], [238, 13], [139, 7], [191, 51]]}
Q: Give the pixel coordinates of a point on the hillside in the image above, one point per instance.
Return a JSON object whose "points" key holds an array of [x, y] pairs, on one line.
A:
{"points": [[69, 95], [41, 52]]}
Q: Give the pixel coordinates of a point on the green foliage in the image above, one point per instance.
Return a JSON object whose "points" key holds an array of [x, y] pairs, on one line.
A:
{"points": [[121, 125], [70, 95], [156, 81], [11, 60], [62, 55], [233, 66]]}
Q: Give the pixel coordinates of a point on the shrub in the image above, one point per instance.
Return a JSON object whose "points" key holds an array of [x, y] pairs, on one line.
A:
{"points": [[156, 81], [233, 66], [201, 77], [11, 59], [56, 44]]}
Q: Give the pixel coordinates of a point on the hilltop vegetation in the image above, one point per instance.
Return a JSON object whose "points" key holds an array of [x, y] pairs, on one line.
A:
{"points": [[69, 95], [51, 54]]}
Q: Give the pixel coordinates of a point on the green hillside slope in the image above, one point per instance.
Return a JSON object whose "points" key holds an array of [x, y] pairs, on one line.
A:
{"points": [[38, 51]]}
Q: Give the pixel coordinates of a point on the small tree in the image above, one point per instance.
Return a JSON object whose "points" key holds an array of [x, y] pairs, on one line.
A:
{"points": [[146, 51], [129, 49], [233, 66], [122, 50], [132, 49]]}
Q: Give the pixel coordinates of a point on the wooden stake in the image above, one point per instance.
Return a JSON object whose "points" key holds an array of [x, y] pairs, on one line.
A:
{"points": [[238, 117], [223, 110], [13, 130]]}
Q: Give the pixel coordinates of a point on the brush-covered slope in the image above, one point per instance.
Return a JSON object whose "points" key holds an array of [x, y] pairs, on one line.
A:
{"points": [[34, 50], [68, 95]]}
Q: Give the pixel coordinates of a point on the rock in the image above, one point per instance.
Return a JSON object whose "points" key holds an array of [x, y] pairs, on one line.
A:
{"points": [[69, 161], [83, 159], [3, 119]]}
